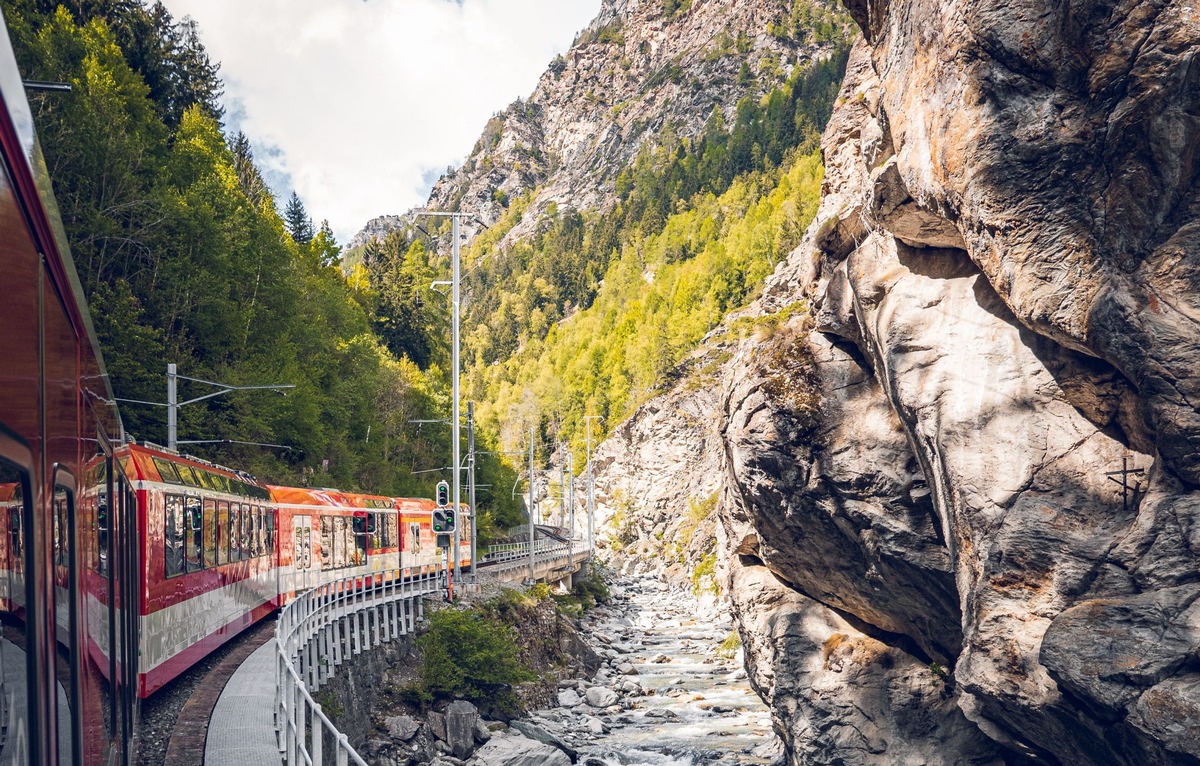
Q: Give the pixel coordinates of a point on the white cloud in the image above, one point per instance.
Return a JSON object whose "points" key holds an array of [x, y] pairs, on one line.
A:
{"points": [[363, 99]]}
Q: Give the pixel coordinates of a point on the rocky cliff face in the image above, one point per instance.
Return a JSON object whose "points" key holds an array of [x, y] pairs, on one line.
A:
{"points": [[959, 497], [639, 66], [964, 521]]}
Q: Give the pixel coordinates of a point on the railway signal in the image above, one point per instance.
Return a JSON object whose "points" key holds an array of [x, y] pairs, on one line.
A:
{"points": [[443, 520], [443, 494]]}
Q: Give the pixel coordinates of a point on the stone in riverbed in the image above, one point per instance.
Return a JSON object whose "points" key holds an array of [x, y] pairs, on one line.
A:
{"points": [[569, 698], [515, 750], [600, 697], [539, 734]]}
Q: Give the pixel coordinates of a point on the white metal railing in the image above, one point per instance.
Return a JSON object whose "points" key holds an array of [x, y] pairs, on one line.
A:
{"points": [[501, 558], [325, 625], [320, 629]]}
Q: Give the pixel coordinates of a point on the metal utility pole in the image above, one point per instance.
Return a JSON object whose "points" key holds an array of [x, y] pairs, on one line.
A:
{"points": [[570, 507], [173, 404], [455, 424], [172, 407], [471, 488], [531, 537], [454, 418], [562, 488], [591, 487]]}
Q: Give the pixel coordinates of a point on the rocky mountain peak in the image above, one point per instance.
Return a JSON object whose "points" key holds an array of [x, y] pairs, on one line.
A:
{"points": [[641, 65]]}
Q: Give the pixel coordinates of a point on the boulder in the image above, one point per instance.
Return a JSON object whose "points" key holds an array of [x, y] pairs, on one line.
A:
{"points": [[462, 720], [539, 734], [569, 698], [401, 727], [516, 750], [600, 697]]}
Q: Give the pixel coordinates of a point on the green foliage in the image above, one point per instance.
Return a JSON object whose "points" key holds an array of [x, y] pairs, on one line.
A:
{"points": [[185, 258], [675, 7], [593, 313], [467, 654], [704, 576], [298, 222], [728, 648], [611, 34]]}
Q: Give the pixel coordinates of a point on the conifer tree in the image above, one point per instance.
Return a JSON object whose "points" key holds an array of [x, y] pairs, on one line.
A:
{"points": [[298, 222]]}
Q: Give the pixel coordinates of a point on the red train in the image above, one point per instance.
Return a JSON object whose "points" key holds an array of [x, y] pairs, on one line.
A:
{"points": [[221, 550], [120, 564]]}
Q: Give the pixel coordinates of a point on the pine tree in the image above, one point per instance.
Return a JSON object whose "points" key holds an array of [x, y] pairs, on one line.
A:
{"points": [[298, 222], [248, 175]]}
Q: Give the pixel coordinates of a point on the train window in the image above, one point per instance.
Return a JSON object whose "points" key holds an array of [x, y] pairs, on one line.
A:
{"points": [[210, 532], [223, 531], [14, 498], [246, 531], [393, 527], [173, 534], [235, 531], [261, 514], [194, 544], [66, 593], [327, 542], [252, 534], [339, 541], [373, 530], [187, 475], [270, 520], [358, 555], [166, 469]]}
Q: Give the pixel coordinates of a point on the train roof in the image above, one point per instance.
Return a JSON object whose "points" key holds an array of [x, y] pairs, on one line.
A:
{"points": [[152, 463]]}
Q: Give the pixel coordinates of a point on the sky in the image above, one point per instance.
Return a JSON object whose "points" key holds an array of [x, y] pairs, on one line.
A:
{"points": [[360, 105]]}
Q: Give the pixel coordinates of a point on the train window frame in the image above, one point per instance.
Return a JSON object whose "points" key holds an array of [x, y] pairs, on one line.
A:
{"points": [[180, 519], [235, 531], [269, 520], [193, 535], [210, 533], [65, 481], [167, 471], [222, 532], [15, 455]]}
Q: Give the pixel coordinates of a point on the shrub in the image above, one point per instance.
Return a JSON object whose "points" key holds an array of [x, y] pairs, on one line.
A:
{"points": [[465, 654]]}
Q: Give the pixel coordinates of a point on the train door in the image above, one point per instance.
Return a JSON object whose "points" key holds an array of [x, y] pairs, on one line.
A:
{"points": [[304, 563]]}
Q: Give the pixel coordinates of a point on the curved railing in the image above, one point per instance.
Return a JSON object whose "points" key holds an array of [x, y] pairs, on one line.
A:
{"points": [[320, 629], [502, 558], [324, 626]]}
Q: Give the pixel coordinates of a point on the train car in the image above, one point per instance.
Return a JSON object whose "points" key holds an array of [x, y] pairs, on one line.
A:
{"points": [[67, 500], [208, 542], [327, 534]]}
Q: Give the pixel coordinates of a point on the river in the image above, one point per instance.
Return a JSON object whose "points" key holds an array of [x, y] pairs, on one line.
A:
{"points": [[683, 697]]}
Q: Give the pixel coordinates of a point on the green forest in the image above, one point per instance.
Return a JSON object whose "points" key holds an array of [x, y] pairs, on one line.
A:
{"points": [[187, 256]]}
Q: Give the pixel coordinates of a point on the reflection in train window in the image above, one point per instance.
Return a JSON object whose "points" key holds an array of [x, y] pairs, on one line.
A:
{"points": [[193, 544], [210, 532], [223, 531], [66, 594], [173, 534], [14, 665]]}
